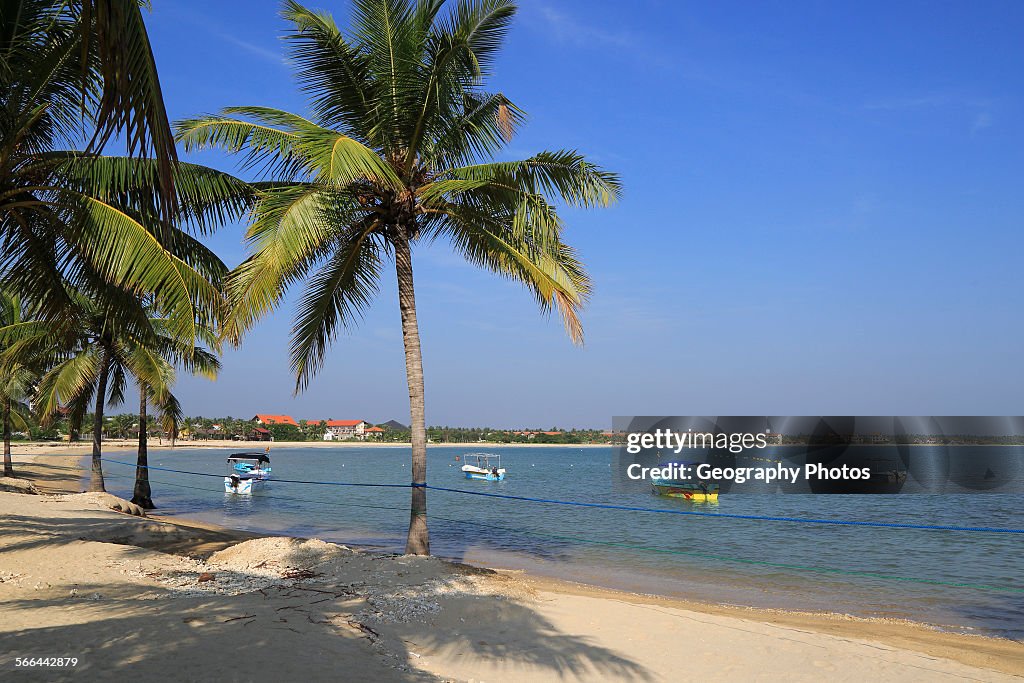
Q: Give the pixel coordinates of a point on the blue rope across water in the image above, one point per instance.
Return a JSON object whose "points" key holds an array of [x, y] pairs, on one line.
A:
{"points": [[725, 515], [628, 508]]}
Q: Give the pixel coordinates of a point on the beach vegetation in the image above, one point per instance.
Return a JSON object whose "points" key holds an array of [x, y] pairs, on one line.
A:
{"points": [[284, 432]]}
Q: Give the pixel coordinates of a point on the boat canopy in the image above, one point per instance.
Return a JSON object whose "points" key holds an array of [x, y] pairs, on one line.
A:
{"points": [[482, 459], [254, 457]]}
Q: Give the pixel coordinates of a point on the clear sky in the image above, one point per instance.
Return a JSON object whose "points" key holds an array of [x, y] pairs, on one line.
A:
{"points": [[822, 215]]}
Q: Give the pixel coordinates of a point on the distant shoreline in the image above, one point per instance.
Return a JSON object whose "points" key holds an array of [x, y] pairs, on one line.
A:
{"points": [[84, 448]]}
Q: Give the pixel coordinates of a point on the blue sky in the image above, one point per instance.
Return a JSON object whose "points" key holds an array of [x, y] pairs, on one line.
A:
{"points": [[822, 216]]}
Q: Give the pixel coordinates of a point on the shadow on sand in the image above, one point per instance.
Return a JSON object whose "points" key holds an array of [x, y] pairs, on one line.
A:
{"points": [[288, 631]]}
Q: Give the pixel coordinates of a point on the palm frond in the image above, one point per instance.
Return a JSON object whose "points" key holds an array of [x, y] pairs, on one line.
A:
{"points": [[564, 173], [130, 99], [481, 26], [335, 297], [129, 256], [291, 228], [117, 382], [548, 268], [482, 126], [21, 416], [268, 150], [387, 33], [335, 74], [457, 56], [171, 413], [70, 379], [206, 198], [285, 145], [148, 367]]}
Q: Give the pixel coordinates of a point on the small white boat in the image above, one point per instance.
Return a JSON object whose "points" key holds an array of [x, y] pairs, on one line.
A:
{"points": [[483, 466], [246, 471]]}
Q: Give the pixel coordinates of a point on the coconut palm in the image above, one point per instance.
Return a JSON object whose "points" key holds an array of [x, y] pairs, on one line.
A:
{"points": [[398, 149], [74, 73], [16, 382], [86, 359], [120, 426], [162, 353], [91, 351], [170, 416]]}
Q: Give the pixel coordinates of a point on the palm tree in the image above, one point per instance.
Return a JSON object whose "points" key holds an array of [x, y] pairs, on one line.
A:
{"points": [[399, 149], [160, 355], [90, 352], [15, 387], [189, 425], [74, 70], [170, 414], [121, 425], [16, 382]]}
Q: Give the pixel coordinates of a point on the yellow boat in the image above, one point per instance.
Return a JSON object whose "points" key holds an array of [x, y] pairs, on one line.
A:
{"points": [[693, 492]]}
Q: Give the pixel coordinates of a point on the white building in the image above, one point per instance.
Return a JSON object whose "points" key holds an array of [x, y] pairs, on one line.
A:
{"points": [[345, 429]]}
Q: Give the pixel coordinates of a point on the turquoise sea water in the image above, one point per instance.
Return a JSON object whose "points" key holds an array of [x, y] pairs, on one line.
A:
{"points": [[748, 562]]}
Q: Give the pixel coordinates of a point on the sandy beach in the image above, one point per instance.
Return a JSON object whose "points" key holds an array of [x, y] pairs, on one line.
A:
{"points": [[139, 597]]}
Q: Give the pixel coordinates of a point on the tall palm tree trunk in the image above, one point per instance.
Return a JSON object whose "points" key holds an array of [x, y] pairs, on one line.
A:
{"points": [[96, 481], [8, 465], [143, 494], [418, 542]]}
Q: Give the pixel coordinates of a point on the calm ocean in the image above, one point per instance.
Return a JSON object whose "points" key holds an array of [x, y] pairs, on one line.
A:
{"points": [[949, 579]]}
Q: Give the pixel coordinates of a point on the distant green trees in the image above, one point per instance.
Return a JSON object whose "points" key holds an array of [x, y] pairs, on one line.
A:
{"points": [[202, 428], [286, 433], [313, 430], [552, 435]]}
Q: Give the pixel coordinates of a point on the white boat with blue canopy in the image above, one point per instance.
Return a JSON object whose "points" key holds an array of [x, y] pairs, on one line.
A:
{"points": [[246, 471], [483, 466]]}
